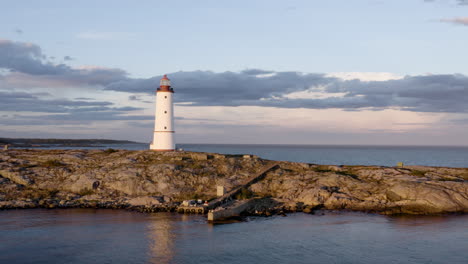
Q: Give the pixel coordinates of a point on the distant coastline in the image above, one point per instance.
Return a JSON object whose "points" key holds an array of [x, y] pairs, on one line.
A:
{"points": [[57, 142]]}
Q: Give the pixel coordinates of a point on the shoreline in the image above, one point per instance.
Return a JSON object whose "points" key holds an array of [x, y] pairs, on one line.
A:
{"points": [[147, 181], [244, 216], [92, 141]]}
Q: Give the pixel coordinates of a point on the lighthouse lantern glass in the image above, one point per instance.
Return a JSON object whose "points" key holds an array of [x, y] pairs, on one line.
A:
{"points": [[165, 82]]}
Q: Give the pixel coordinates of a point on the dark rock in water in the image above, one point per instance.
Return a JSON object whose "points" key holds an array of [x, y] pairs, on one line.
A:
{"points": [[149, 181], [307, 210]]}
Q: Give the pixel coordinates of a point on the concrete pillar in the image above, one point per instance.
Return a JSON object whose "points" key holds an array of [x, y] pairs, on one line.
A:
{"points": [[220, 191]]}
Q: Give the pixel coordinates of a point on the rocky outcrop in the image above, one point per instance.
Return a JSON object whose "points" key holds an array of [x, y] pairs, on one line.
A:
{"points": [[385, 190], [158, 181]]}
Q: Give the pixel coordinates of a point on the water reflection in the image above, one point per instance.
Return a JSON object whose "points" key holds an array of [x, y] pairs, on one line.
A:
{"points": [[427, 222], [112, 236], [161, 236]]}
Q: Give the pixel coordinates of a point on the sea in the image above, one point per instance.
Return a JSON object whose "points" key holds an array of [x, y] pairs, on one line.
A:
{"points": [[440, 156], [118, 236]]}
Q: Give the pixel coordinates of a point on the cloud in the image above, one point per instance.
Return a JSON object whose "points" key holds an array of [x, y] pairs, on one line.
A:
{"points": [[18, 31], [75, 78], [226, 88], [459, 2], [59, 111], [365, 76], [26, 58], [460, 121], [137, 98], [252, 87], [256, 72], [32, 102], [71, 118], [458, 21], [27, 61], [431, 93], [67, 58]]}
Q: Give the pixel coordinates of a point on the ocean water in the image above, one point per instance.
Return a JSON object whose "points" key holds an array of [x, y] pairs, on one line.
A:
{"points": [[335, 155], [348, 155], [113, 236]]}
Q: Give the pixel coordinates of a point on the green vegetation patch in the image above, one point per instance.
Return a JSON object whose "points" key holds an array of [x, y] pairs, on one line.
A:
{"points": [[418, 173], [325, 169], [86, 191], [193, 165], [52, 163], [451, 179], [348, 173], [322, 169], [244, 194], [193, 196], [464, 175], [38, 194], [110, 151], [27, 166]]}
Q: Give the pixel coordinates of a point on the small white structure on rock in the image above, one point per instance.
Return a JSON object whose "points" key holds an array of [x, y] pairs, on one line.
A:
{"points": [[163, 136], [220, 191]]}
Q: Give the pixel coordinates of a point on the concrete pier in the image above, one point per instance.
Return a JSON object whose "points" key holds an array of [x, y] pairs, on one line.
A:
{"points": [[235, 209], [257, 177], [225, 206]]}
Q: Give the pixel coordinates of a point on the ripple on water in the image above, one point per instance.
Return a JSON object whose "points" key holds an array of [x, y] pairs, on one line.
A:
{"points": [[113, 236]]}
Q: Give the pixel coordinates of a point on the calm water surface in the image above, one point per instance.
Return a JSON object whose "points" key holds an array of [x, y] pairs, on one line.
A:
{"points": [[112, 236], [348, 155]]}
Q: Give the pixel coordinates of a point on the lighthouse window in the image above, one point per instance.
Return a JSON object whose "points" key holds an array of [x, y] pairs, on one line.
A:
{"points": [[165, 127], [165, 97], [165, 112]]}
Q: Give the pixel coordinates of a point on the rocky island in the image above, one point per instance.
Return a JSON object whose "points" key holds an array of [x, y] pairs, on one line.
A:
{"points": [[152, 181]]}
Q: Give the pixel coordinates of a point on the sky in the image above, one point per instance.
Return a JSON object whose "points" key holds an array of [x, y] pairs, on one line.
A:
{"points": [[360, 72]]}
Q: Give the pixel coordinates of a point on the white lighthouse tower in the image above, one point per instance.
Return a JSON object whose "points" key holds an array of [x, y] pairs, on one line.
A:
{"points": [[163, 136]]}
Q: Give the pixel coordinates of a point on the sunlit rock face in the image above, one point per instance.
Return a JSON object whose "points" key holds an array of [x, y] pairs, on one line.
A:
{"points": [[127, 179]]}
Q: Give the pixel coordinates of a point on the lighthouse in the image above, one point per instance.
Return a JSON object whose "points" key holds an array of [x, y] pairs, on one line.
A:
{"points": [[163, 135]]}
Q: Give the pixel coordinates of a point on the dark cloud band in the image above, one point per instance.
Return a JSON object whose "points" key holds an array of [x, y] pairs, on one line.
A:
{"points": [[431, 93], [253, 87]]}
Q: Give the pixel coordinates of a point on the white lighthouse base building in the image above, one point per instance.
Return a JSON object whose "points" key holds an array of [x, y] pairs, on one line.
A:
{"points": [[164, 143], [163, 135]]}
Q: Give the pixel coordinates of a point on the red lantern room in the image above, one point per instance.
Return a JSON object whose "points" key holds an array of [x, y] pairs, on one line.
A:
{"points": [[165, 85]]}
